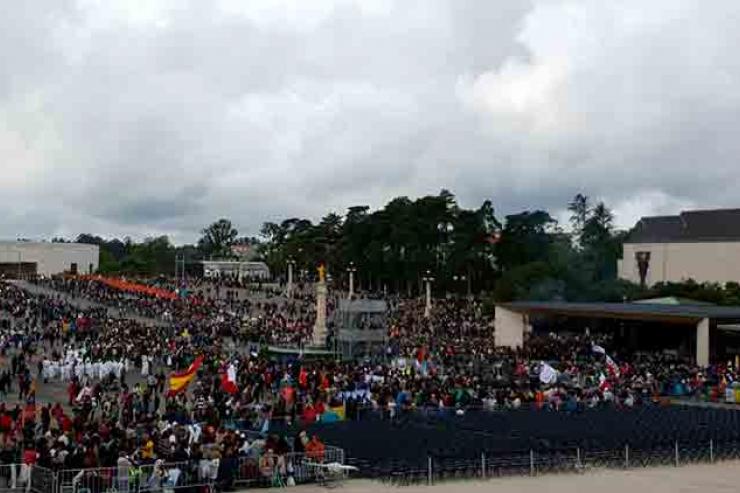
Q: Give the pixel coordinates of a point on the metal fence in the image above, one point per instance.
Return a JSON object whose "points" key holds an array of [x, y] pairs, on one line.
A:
{"points": [[265, 470], [204, 475], [42, 480], [13, 479], [24, 478], [280, 470], [135, 479], [571, 461]]}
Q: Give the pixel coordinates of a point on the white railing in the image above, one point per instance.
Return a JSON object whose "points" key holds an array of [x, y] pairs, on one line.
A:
{"points": [[265, 469]]}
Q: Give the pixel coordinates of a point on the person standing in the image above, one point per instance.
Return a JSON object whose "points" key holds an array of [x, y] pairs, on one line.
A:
{"points": [[124, 466], [144, 365]]}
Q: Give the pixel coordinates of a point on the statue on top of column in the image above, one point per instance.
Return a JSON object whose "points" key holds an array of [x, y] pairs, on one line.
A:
{"points": [[322, 273]]}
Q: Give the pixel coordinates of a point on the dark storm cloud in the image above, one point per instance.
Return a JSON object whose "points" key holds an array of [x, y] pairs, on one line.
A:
{"points": [[158, 117]]}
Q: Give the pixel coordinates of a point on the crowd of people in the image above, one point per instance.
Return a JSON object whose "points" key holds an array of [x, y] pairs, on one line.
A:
{"points": [[119, 410]]}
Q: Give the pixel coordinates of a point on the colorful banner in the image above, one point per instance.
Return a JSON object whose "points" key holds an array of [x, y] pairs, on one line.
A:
{"points": [[133, 287], [334, 414]]}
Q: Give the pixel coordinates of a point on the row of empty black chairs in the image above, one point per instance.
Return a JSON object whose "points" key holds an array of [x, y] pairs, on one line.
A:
{"points": [[458, 445]]}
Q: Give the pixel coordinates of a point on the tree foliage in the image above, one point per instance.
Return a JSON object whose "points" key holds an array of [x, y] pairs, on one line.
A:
{"points": [[218, 239], [538, 261], [527, 257], [391, 247]]}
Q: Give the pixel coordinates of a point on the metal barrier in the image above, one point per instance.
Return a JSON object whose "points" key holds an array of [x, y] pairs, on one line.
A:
{"points": [[259, 470], [568, 461], [25, 478], [43, 480], [136, 479], [10, 480], [268, 469], [279, 470]]}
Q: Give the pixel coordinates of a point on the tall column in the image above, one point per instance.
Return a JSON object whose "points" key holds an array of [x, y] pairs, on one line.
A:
{"points": [[428, 280], [428, 305], [291, 263], [351, 271], [702, 343], [319, 329]]}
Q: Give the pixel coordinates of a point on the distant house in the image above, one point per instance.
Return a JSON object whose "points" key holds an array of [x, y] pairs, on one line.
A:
{"points": [[699, 245], [244, 251], [31, 258]]}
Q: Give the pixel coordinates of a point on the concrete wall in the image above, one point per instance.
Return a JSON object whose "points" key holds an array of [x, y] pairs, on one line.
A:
{"points": [[702, 343], [52, 258], [675, 262]]}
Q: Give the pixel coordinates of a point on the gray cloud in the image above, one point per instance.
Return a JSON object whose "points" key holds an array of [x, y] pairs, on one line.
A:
{"points": [[159, 117]]}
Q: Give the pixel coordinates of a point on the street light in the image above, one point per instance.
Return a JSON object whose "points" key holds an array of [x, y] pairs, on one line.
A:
{"points": [[461, 278], [291, 264], [351, 271], [428, 280]]}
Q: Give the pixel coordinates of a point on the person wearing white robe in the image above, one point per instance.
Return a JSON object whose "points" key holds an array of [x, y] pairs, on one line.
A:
{"points": [[46, 370]]}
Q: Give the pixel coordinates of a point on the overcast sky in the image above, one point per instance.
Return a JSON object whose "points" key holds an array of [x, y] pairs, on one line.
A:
{"points": [[158, 117]]}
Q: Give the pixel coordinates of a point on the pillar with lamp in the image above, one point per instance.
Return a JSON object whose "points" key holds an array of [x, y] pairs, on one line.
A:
{"points": [[428, 280], [351, 270]]}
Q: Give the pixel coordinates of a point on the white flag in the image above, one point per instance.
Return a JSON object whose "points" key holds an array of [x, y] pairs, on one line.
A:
{"points": [[612, 367], [598, 349], [548, 374]]}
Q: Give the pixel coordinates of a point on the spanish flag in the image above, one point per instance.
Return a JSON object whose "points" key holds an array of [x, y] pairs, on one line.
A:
{"points": [[180, 380]]}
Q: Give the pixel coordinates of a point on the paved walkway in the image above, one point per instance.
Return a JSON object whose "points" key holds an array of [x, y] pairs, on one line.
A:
{"points": [[723, 477]]}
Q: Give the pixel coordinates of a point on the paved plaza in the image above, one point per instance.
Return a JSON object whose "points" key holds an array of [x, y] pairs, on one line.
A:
{"points": [[715, 478]]}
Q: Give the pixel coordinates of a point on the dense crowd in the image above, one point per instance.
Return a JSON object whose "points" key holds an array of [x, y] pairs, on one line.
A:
{"points": [[446, 361], [209, 308]]}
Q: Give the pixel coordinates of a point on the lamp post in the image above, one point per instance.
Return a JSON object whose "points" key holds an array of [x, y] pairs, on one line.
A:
{"points": [[461, 278], [291, 264], [351, 271], [428, 280]]}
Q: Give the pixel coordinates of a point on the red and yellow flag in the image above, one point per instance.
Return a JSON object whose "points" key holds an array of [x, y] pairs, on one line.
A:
{"points": [[179, 380]]}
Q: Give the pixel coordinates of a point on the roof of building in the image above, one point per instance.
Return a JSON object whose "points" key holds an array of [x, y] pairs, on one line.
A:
{"points": [[234, 263], [47, 245], [689, 226], [673, 300], [363, 305], [635, 311]]}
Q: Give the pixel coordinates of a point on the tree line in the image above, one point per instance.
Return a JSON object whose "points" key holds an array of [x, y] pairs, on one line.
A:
{"points": [[522, 256]]}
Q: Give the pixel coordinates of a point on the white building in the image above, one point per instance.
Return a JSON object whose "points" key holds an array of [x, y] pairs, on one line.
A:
{"points": [[699, 245], [236, 269], [42, 258]]}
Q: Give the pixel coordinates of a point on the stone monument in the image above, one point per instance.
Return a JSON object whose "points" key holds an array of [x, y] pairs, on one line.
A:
{"points": [[319, 329]]}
